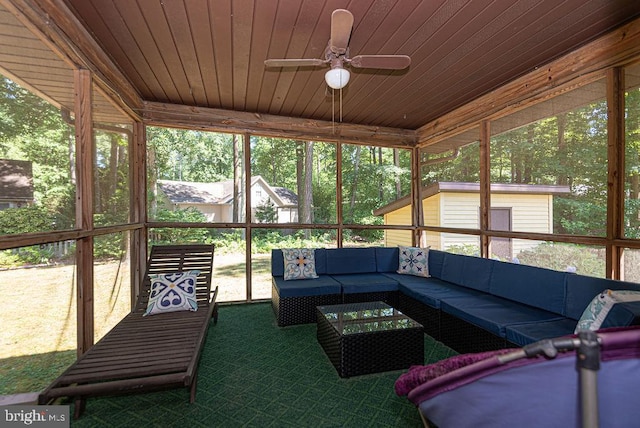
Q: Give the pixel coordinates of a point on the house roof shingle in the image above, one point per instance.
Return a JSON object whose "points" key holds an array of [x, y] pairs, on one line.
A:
{"points": [[16, 180], [221, 192]]}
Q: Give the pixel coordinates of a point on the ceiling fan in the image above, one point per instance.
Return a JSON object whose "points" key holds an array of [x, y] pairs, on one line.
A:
{"points": [[337, 54]]}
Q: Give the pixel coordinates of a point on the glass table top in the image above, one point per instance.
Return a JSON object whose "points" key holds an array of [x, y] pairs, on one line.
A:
{"points": [[367, 317]]}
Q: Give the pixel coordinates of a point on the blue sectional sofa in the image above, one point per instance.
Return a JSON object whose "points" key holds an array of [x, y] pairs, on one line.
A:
{"points": [[471, 304]]}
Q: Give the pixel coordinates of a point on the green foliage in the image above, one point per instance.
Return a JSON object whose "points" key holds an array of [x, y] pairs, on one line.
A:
{"points": [[229, 242], [190, 155], [579, 217], [10, 258], [25, 220], [464, 249], [111, 203], [168, 235], [107, 247], [367, 235], [559, 256], [275, 239], [267, 212]]}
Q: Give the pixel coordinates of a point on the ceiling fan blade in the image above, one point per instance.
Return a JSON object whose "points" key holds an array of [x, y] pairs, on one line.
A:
{"points": [[389, 62], [294, 62], [341, 25]]}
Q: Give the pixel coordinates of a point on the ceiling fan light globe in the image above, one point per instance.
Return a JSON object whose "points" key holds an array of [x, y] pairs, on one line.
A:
{"points": [[337, 78]]}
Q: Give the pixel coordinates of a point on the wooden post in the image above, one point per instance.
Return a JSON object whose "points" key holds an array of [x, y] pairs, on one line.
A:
{"points": [[138, 186], [616, 159], [84, 207], [485, 188], [417, 219], [247, 216], [339, 213]]}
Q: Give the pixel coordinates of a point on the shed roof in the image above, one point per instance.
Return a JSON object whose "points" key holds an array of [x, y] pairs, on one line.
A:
{"points": [[458, 187]]}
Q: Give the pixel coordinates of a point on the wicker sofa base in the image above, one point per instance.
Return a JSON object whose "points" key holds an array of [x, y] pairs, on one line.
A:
{"points": [[299, 310], [426, 315], [465, 337], [461, 336]]}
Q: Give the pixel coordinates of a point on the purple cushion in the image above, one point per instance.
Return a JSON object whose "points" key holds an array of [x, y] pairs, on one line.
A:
{"points": [[417, 375]]}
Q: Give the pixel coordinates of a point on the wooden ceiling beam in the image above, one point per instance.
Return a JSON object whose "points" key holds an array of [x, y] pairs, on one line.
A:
{"points": [[181, 116], [616, 48], [58, 27]]}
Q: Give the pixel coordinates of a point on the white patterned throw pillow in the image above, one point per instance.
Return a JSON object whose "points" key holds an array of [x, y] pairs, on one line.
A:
{"points": [[299, 263], [413, 261], [171, 292], [598, 309]]}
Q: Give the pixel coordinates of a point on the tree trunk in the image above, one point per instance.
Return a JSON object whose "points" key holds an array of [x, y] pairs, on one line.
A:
{"points": [[152, 171], [113, 172], [381, 183], [561, 177], [238, 200], [396, 163], [300, 179], [354, 184], [527, 157], [307, 216]]}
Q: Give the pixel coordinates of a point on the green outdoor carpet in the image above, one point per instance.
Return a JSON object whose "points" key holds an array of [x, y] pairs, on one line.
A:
{"points": [[255, 374]]}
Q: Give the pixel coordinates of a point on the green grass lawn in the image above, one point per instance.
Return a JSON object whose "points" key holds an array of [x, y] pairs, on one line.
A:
{"points": [[38, 335]]}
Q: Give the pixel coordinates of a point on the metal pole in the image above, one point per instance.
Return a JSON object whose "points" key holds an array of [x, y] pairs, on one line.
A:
{"points": [[588, 364]]}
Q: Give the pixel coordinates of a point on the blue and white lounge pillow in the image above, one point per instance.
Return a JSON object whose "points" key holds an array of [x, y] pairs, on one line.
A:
{"points": [[413, 261], [299, 263], [594, 315], [172, 292]]}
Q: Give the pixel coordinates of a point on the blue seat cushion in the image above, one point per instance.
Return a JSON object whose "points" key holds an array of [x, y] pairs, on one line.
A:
{"points": [[622, 314], [493, 313], [324, 284], [351, 260], [387, 259], [533, 286], [365, 283], [431, 291], [523, 334]]}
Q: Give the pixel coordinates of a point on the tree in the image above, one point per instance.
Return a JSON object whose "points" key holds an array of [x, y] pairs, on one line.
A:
{"points": [[267, 212], [32, 129]]}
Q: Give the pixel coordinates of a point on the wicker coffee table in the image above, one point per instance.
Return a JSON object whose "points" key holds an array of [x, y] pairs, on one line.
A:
{"points": [[371, 337]]}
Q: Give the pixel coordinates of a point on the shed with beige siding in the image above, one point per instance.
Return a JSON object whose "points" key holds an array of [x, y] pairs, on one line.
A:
{"points": [[515, 207]]}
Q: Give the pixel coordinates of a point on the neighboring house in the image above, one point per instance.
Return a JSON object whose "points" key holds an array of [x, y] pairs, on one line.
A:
{"points": [[514, 207], [16, 183], [215, 200]]}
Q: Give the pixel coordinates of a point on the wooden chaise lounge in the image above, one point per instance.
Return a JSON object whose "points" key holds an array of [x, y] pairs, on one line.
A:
{"points": [[147, 353]]}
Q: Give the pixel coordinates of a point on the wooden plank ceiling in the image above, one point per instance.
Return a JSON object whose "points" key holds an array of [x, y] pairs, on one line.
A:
{"points": [[210, 53], [26, 60]]}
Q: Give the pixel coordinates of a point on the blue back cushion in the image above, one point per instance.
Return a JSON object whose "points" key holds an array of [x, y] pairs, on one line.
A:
{"points": [[534, 286], [436, 260], [277, 262], [387, 259], [350, 260], [582, 289], [468, 271]]}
